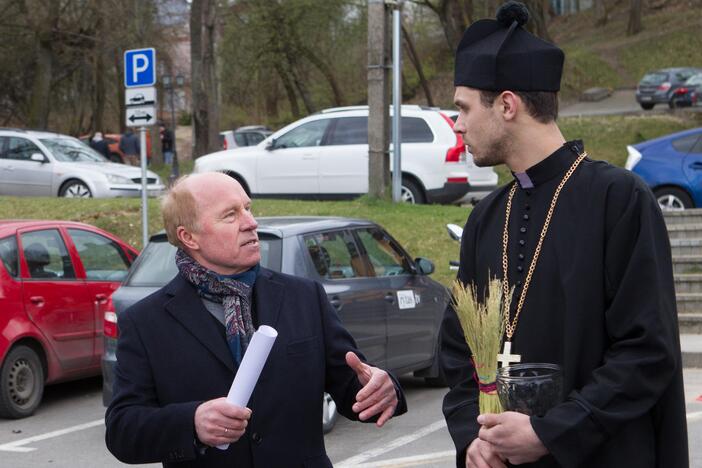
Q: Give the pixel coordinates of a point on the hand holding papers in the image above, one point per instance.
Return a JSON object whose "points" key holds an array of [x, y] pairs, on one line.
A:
{"points": [[250, 368]]}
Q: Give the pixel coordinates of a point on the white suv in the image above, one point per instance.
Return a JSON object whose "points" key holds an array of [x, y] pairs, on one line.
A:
{"points": [[325, 156]]}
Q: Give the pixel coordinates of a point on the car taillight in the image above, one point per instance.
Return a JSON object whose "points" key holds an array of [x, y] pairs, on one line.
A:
{"points": [[456, 153], [109, 326], [664, 86], [457, 180], [681, 91], [224, 144]]}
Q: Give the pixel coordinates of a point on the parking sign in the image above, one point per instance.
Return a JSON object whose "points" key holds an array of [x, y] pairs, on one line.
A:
{"points": [[139, 67]]}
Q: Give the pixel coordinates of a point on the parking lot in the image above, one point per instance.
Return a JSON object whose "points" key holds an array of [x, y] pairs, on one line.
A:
{"points": [[68, 431]]}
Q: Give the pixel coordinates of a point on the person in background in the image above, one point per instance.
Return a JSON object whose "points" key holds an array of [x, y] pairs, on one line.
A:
{"points": [[129, 146], [99, 144], [167, 144]]}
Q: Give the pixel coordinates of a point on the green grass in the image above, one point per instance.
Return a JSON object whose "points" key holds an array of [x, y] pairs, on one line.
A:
{"points": [[419, 228], [585, 69], [606, 137]]}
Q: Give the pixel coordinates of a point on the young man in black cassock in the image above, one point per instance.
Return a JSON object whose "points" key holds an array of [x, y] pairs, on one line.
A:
{"points": [[599, 301]]}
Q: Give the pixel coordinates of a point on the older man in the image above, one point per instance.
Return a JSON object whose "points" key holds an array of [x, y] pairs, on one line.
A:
{"points": [[179, 350]]}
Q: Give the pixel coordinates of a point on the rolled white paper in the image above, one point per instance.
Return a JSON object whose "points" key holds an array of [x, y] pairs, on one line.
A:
{"points": [[250, 368]]}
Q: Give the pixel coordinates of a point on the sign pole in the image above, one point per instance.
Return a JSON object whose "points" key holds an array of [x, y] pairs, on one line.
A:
{"points": [[144, 192]]}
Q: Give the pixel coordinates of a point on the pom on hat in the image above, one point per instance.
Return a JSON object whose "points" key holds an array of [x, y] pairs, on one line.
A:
{"points": [[513, 11]]}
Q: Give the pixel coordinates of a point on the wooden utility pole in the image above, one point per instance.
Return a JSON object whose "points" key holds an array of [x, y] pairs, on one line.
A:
{"points": [[379, 51]]}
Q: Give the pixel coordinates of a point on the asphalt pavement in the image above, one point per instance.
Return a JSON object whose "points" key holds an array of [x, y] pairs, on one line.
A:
{"points": [[620, 102]]}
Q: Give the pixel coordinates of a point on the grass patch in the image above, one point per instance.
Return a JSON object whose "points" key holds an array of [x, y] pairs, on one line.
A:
{"points": [[419, 228], [585, 69]]}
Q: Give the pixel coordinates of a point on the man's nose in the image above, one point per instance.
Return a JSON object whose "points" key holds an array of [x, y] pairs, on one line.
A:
{"points": [[249, 222]]}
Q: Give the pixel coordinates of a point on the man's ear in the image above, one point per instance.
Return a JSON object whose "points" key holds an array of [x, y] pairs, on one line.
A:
{"points": [[509, 104], [187, 238]]}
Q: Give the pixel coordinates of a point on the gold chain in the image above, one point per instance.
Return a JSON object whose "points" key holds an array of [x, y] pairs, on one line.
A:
{"points": [[510, 327]]}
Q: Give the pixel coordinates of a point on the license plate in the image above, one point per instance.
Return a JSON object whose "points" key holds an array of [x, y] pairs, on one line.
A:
{"points": [[646, 98]]}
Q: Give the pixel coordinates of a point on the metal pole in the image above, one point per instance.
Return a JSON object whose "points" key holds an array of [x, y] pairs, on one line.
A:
{"points": [[175, 170], [144, 193], [396, 106]]}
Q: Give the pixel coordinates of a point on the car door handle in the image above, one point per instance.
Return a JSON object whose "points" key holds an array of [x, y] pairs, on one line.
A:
{"points": [[101, 298], [390, 297], [336, 302], [696, 165], [308, 157], [37, 300]]}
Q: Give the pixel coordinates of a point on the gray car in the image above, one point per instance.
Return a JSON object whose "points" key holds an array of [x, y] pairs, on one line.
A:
{"points": [[50, 164], [384, 298], [658, 87]]}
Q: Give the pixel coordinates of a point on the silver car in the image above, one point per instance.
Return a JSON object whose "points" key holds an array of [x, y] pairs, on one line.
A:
{"points": [[50, 164]]}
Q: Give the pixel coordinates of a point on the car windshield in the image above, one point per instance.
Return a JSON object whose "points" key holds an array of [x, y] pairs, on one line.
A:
{"points": [[694, 80], [72, 150], [156, 264], [654, 78]]}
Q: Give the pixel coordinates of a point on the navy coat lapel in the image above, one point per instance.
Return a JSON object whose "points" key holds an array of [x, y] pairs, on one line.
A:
{"points": [[268, 298], [187, 308]]}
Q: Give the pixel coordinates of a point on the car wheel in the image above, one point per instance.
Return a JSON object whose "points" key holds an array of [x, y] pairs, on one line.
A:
{"points": [[116, 158], [673, 199], [647, 106], [329, 413], [410, 192], [22, 381], [75, 189]]}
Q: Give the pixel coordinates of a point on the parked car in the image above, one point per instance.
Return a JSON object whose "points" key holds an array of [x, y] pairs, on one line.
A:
{"points": [[384, 298], [55, 277], [50, 164], [116, 154], [325, 156], [659, 86], [672, 166], [249, 135], [688, 94]]}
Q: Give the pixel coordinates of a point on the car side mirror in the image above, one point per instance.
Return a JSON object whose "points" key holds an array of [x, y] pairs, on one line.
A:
{"points": [[271, 145], [38, 157], [424, 265]]}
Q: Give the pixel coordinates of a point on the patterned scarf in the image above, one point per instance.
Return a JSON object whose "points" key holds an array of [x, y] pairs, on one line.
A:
{"points": [[232, 291]]}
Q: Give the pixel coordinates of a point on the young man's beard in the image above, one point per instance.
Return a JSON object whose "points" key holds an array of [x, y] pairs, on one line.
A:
{"points": [[495, 153]]}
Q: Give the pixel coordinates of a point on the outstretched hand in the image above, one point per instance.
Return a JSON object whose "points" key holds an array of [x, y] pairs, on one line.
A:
{"points": [[378, 395]]}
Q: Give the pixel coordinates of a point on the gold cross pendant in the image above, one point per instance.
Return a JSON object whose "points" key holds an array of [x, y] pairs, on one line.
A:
{"points": [[506, 358]]}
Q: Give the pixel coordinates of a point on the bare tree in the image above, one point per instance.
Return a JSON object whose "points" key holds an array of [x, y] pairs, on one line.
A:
{"points": [[416, 62], [634, 26], [537, 24], [454, 16], [203, 75]]}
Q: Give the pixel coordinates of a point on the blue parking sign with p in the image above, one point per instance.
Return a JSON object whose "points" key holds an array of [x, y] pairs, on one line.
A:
{"points": [[139, 67]]}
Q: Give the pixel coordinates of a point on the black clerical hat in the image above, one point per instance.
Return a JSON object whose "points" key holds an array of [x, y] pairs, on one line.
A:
{"points": [[498, 55]]}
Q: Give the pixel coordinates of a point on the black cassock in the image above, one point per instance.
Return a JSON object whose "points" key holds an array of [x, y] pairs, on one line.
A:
{"points": [[601, 304]]}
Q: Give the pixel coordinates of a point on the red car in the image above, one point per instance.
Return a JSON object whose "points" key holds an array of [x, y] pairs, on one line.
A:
{"points": [[55, 279]]}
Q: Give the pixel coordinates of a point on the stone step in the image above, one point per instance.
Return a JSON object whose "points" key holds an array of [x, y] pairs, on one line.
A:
{"points": [[691, 346], [688, 283], [689, 303], [687, 264], [693, 216], [690, 324], [685, 231], [686, 246]]}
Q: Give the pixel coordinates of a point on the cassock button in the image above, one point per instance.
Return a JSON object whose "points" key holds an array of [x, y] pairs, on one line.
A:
{"points": [[520, 268], [522, 242], [519, 283], [522, 230], [526, 217], [527, 207], [256, 438], [521, 257]]}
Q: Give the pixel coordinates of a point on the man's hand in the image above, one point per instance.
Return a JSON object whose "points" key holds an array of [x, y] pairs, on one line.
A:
{"points": [[218, 422], [481, 454], [512, 436], [378, 394]]}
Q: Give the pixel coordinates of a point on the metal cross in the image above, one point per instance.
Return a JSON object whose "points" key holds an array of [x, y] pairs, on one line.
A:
{"points": [[506, 358]]}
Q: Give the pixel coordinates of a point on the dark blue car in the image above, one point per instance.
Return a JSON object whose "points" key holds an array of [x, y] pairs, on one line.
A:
{"points": [[672, 166]]}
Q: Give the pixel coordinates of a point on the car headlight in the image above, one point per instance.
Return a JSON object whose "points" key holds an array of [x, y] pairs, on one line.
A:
{"points": [[633, 158], [118, 179]]}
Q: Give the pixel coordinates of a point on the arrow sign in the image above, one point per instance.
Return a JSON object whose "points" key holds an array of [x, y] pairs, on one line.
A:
{"points": [[142, 115]]}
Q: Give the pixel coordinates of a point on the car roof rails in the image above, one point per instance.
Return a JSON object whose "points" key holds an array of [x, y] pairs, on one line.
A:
{"points": [[353, 108], [252, 127]]}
